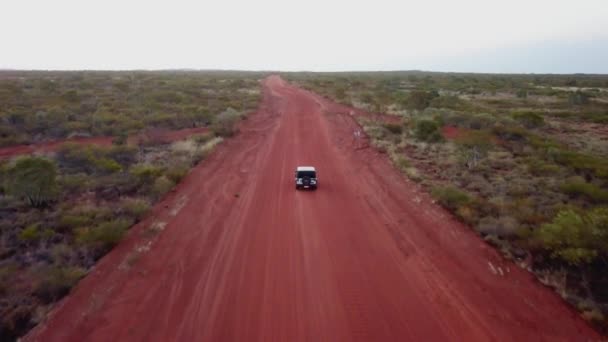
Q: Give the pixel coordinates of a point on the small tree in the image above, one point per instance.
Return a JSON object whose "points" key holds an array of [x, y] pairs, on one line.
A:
{"points": [[522, 93], [575, 237], [450, 197], [474, 146], [420, 99], [428, 130], [120, 139], [382, 102], [529, 119], [578, 98], [340, 94], [34, 179]]}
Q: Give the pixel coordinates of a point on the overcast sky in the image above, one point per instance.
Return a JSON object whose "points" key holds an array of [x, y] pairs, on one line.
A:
{"points": [[540, 36]]}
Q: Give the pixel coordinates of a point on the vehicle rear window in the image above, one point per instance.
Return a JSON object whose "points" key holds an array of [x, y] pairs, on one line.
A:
{"points": [[311, 174]]}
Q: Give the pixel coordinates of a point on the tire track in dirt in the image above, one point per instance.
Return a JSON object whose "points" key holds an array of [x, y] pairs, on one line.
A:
{"points": [[366, 257]]}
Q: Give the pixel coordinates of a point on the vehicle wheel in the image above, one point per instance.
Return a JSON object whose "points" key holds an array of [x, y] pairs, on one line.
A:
{"points": [[314, 188], [297, 187]]}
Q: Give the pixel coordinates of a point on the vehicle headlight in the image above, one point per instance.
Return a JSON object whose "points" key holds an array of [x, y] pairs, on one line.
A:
{"points": [[312, 181], [299, 181]]}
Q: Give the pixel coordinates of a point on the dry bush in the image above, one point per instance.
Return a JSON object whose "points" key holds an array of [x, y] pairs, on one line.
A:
{"points": [[225, 124], [428, 131], [375, 132], [501, 160], [56, 281], [394, 128], [161, 186], [134, 207], [450, 197], [206, 149], [101, 238], [590, 191], [503, 226], [477, 183]]}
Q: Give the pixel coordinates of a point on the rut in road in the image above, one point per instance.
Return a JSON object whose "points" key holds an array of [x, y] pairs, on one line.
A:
{"points": [[239, 255]]}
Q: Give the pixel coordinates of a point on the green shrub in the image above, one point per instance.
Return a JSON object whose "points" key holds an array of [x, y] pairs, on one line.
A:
{"points": [[529, 119], [474, 146], [539, 167], [450, 197], [428, 130], [420, 99], [583, 163], [135, 207], [106, 165], [479, 121], [504, 226], [544, 144], [376, 132], [481, 140], [394, 128], [95, 159], [451, 102], [112, 187], [55, 282], [34, 179], [104, 236], [146, 173], [74, 183], [225, 123], [601, 118], [400, 162], [576, 237], [587, 190], [71, 221], [33, 233], [161, 186], [206, 149], [578, 98], [203, 138], [123, 155], [84, 216], [29, 234], [522, 93], [75, 157], [510, 133], [177, 173], [62, 253], [120, 139]]}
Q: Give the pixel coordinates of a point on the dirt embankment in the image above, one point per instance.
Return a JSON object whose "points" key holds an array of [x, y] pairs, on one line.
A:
{"points": [[236, 254]]}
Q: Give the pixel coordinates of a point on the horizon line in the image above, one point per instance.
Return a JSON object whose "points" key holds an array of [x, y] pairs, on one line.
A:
{"points": [[301, 71]]}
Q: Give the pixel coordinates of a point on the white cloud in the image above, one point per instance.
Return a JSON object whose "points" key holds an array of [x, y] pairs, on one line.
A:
{"points": [[272, 34]]}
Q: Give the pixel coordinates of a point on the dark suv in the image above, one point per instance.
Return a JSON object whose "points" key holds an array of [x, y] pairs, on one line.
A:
{"points": [[306, 178]]}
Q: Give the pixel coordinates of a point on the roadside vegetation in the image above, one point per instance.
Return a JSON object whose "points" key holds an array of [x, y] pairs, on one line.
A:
{"points": [[38, 106], [522, 159], [62, 211]]}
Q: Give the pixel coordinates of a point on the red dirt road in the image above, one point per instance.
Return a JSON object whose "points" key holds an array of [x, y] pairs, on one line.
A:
{"points": [[239, 255]]}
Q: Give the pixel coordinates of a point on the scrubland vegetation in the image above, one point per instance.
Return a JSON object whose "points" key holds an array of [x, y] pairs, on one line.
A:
{"points": [[522, 159], [38, 106], [61, 212]]}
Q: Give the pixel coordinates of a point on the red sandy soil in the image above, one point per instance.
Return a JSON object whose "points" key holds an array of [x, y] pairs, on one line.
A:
{"points": [[243, 256], [451, 132], [159, 135]]}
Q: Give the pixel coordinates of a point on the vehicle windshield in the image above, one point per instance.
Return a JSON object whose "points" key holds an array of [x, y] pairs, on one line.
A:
{"points": [[311, 174]]}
